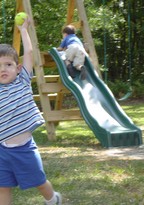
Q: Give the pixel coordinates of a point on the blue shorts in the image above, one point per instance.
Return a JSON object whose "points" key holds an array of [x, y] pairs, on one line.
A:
{"points": [[21, 166]]}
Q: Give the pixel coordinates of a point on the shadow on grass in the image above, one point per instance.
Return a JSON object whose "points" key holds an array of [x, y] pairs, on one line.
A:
{"points": [[75, 166], [85, 179], [68, 134]]}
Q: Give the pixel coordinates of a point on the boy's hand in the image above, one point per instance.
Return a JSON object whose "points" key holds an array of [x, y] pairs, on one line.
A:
{"points": [[25, 24]]}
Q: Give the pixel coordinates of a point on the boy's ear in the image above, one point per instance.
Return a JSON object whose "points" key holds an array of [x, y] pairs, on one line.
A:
{"points": [[19, 67]]}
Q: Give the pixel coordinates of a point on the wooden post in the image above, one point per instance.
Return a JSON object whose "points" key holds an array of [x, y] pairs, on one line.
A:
{"points": [[70, 11], [83, 25], [16, 34], [45, 102], [87, 35]]}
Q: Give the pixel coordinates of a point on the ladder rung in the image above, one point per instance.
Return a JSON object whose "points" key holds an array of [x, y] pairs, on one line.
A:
{"points": [[53, 88], [48, 78], [51, 96], [63, 115]]}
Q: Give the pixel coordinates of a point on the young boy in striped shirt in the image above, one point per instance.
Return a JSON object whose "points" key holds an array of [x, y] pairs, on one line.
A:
{"points": [[20, 161]]}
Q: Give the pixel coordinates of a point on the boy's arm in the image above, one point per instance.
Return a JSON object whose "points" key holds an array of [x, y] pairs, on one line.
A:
{"points": [[27, 46], [62, 46]]}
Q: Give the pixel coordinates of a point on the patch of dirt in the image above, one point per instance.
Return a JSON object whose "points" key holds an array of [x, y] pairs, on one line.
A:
{"points": [[125, 153], [136, 152]]}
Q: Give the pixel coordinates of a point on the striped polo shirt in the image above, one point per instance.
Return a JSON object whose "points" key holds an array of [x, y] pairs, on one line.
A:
{"points": [[18, 111]]}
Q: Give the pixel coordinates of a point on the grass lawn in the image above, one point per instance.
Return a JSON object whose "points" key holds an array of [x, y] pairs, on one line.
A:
{"points": [[77, 168]]}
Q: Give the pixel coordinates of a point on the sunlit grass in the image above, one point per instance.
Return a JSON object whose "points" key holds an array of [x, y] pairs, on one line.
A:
{"points": [[135, 112], [75, 166]]}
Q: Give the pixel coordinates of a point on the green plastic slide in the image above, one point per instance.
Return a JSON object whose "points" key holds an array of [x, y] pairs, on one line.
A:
{"points": [[105, 117]]}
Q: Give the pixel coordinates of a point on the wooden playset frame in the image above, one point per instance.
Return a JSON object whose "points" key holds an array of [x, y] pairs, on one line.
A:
{"points": [[50, 87]]}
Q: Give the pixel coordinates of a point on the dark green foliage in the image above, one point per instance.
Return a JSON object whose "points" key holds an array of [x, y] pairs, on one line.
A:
{"points": [[118, 42], [118, 88], [114, 35], [7, 9], [138, 91], [49, 17]]}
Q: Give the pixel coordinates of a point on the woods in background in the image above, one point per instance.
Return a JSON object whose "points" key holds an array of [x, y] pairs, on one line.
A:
{"points": [[117, 28]]}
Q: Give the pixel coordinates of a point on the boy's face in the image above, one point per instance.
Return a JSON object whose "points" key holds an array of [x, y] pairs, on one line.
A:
{"points": [[8, 69]]}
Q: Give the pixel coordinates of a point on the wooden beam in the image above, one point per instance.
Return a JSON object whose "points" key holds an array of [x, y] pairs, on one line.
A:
{"points": [[48, 78], [87, 35], [77, 24], [53, 88], [45, 102], [16, 34], [47, 60], [63, 115], [51, 97], [70, 11], [59, 99]]}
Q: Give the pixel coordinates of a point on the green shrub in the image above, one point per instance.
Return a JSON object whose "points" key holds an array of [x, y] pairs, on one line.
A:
{"points": [[138, 89], [118, 88]]}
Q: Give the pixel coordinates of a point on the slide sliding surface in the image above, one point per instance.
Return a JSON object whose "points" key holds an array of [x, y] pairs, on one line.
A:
{"points": [[105, 117]]}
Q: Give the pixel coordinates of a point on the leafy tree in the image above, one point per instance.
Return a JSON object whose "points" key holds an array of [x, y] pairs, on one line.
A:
{"points": [[49, 17], [118, 42], [123, 39], [7, 20]]}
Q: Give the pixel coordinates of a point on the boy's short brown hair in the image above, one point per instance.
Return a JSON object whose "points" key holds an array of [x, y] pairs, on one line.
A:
{"points": [[8, 50], [69, 29]]}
